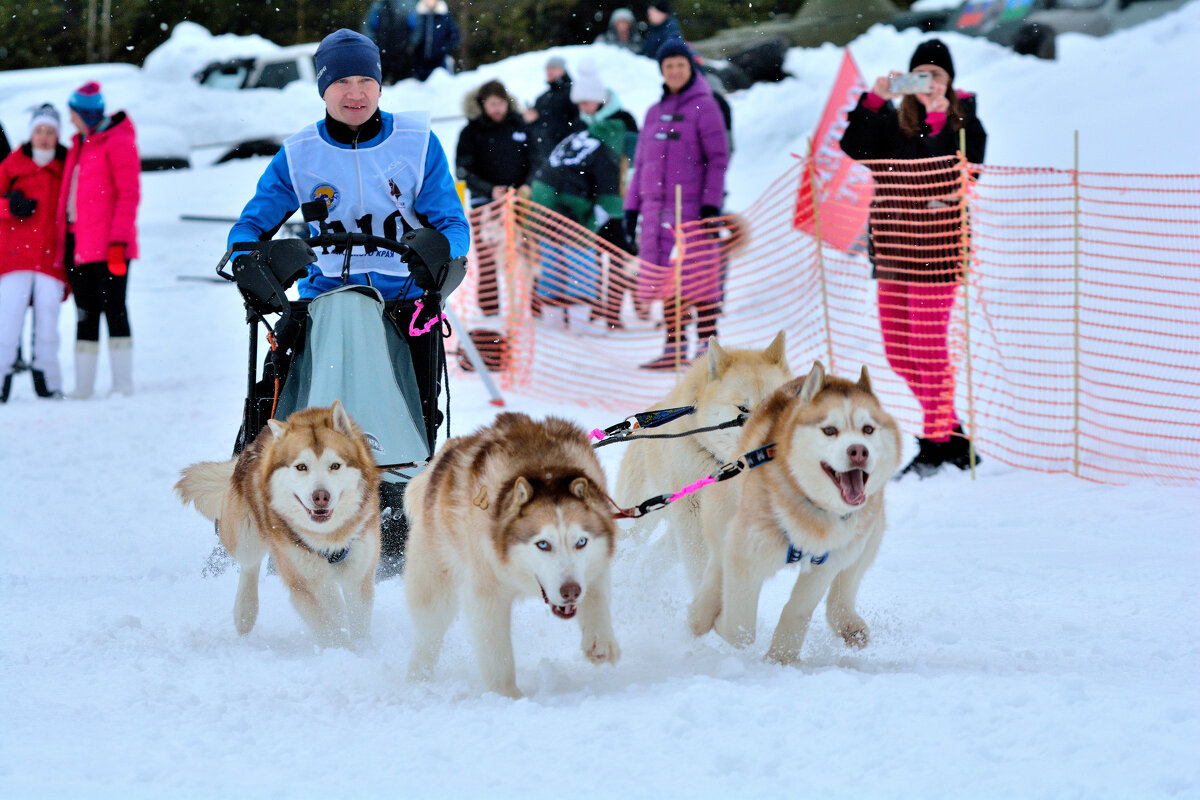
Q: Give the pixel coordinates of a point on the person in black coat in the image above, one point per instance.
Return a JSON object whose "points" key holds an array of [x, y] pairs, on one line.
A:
{"points": [[433, 36], [662, 27], [916, 235], [493, 156], [553, 116]]}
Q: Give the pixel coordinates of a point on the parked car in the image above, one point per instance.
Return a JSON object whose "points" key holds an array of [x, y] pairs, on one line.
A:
{"points": [[270, 71], [1030, 26], [266, 71]]}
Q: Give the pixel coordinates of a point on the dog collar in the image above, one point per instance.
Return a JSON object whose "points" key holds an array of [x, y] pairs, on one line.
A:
{"points": [[333, 557], [795, 554], [340, 556]]}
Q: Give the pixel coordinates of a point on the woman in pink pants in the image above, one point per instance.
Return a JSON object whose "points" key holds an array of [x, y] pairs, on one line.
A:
{"points": [[917, 236]]}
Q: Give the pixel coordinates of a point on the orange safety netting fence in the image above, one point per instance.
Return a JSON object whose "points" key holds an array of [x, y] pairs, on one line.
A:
{"points": [[1072, 342]]}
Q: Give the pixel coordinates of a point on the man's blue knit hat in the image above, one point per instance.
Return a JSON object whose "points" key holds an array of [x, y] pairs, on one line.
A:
{"points": [[343, 54]]}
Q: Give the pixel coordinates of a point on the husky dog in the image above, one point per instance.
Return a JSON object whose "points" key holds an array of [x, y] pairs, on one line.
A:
{"points": [[721, 385], [819, 502], [518, 508], [305, 491]]}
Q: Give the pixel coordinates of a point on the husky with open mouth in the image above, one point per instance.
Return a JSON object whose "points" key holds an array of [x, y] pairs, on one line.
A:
{"points": [[818, 503], [304, 492], [517, 509]]}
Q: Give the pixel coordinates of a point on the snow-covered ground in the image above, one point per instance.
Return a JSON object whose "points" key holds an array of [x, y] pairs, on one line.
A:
{"points": [[1032, 636]]}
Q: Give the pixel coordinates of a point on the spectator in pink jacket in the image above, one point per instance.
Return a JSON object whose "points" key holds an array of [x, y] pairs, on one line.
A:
{"points": [[98, 203], [682, 144]]}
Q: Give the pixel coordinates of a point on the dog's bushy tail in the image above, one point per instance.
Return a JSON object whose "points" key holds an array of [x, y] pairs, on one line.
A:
{"points": [[204, 484]]}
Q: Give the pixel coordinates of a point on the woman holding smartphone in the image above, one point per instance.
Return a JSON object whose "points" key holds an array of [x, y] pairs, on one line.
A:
{"points": [[916, 232]]}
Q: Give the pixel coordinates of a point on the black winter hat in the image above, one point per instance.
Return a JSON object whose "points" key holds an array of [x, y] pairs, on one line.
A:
{"points": [[673, 47], [933, 52], [662, 5]]}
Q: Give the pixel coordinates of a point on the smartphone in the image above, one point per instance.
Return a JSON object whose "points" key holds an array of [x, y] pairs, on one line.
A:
{"points": [[911, 83]]}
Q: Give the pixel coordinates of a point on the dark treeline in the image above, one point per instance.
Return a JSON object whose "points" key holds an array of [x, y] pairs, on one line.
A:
{"points": [[58, 32]]}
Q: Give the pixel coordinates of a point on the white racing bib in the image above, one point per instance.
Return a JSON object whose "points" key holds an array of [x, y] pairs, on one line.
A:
{"points": [[368, 190]]}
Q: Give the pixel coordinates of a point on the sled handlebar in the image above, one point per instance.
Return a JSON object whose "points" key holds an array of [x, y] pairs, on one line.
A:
{"points": [[347, 240]]}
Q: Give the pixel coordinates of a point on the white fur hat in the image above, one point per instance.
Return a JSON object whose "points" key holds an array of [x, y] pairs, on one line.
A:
{"points": [[587, 85]]}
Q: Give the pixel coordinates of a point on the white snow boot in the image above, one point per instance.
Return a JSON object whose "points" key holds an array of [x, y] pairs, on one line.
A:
{"points": [[86, 355], [120, 353]]}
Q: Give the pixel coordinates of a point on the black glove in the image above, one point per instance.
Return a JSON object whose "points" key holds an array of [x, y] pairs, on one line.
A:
{"points": [[19, 205], [614, 233], [259, 287], [708, 212], [631, 221]]}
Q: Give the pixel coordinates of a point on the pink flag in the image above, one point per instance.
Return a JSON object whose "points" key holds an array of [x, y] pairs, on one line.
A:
{"points": [[845, 188]]}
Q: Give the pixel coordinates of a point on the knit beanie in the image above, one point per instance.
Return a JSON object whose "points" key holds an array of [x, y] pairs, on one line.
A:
{"points": [[556, 62], [45, 114], [622, 14], [587, 85], [662, 5], [673, 47], [88, 102], [343, 54], [933, 52]]}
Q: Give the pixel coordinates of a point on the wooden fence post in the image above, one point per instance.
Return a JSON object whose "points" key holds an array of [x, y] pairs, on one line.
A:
{"points": [[965, 236], [812, 186], [1075, 239]]}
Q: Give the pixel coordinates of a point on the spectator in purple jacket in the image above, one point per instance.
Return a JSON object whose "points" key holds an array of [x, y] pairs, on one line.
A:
{"points": [[682, 143]]}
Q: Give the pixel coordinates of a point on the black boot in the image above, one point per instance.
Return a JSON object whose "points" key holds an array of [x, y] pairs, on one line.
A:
{"points": [[39, 386], [958, 450], [5, 388], [929, 459], [394, 528]]}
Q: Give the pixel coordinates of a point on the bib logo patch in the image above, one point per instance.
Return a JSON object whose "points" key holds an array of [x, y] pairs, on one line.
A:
{"points": [[328, 193], [396, 195]]}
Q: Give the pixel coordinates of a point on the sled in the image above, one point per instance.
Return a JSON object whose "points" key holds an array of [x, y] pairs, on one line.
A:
{"points": [[383, 359]]}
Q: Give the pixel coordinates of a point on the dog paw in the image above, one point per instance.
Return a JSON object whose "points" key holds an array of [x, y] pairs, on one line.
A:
{"points": [[854, 632], [506, 690], [782, 656], [856, 637], [701, 618], [601, 649], [736, 635]]}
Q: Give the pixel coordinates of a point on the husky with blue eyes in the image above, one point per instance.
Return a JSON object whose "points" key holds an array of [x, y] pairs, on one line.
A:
{"points": [[517, 509]]}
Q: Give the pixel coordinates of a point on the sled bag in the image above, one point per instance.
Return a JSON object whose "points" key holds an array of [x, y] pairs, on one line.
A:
{"points": [[351, 354]]}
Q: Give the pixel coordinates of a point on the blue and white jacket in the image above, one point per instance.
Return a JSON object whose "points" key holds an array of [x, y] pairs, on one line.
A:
{"points": [[398, 178]]}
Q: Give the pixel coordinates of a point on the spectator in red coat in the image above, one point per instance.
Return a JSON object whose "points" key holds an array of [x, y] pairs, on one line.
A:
{"points": [[98, 238], [30, 179]]}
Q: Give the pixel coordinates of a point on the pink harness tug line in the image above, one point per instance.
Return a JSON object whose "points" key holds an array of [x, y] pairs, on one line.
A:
{"points": [[692, 487], [412, 323]]}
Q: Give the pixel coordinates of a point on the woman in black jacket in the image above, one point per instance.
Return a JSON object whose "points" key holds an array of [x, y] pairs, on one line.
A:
{"points": [[916, 235], [493, 156]]}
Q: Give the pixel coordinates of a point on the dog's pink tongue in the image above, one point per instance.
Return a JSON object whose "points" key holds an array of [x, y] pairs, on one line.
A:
{"points": [[851, 483]]}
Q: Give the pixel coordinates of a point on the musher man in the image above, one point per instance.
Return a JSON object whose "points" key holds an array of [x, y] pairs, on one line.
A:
{"points": [[379, 173]]}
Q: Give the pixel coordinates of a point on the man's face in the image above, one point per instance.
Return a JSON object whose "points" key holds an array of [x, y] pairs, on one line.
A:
{"points": [[352, 101], [654, 16], [554, 73], [676, 72]]}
